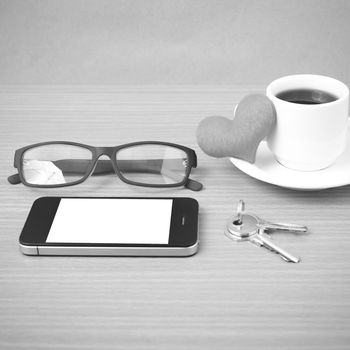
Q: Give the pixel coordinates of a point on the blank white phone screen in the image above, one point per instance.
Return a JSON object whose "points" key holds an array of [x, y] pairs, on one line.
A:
{"points": [[108, 220]]}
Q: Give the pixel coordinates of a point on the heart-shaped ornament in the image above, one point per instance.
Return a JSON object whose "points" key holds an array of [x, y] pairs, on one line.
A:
{"points": [[255, 117]]}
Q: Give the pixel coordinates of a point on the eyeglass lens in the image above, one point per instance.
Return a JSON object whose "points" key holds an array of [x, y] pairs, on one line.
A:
{"points": [[55, 164], [152, 164]]}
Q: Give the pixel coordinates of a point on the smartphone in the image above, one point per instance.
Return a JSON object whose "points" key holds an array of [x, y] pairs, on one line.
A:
{"points": [[113, 226]]}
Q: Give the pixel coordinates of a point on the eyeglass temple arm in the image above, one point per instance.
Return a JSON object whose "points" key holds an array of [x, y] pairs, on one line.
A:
{"points": [[79, 166], [14, 179], [105, 167], [140, 165]]}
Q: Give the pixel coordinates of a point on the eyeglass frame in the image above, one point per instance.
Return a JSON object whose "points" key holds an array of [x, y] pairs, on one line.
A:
{"points": [[110, 152]]}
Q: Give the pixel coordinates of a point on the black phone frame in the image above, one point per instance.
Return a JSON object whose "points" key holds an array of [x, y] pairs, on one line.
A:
{"points": [[43, 211]]}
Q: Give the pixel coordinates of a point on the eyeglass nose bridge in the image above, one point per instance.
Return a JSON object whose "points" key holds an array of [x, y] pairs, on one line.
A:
{"points": [[104, 166], [104, 151]]}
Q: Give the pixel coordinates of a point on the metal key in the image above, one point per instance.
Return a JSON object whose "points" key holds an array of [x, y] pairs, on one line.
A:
{"points": [[248, 227], [270, 226]]}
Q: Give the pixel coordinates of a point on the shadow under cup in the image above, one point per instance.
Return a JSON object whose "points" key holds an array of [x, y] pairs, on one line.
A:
{"points": [[308, 136]]}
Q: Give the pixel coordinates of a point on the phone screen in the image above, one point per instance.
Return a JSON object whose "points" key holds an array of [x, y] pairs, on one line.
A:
{"points": [[111, 220]]}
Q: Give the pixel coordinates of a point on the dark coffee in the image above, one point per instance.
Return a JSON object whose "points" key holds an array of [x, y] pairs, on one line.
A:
{"points": [[307, 96]]}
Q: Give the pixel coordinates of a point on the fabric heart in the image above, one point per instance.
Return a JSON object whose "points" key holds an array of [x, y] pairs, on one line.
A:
{"points": [[255, 117]]}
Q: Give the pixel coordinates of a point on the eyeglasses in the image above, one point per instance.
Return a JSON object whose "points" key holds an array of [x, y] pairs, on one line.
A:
{"points": [[149, 164]]}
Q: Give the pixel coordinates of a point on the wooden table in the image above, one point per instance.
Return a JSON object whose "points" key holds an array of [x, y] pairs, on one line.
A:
{"points": [[228, 296]]}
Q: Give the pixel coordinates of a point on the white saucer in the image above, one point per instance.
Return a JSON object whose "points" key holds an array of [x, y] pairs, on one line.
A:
{"points": [[267, 169]]}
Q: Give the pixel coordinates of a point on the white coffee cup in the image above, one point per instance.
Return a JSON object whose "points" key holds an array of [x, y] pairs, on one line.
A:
{"points": [[309, 137]]}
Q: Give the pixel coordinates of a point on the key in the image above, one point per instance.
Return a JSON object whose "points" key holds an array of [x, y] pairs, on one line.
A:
{"points": [[249, 227], [270, 226], [262, 241]]}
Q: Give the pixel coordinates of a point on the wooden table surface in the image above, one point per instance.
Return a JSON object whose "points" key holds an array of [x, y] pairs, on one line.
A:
{"points": [[228, 296]]}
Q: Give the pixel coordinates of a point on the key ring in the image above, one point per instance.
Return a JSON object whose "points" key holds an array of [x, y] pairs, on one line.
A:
{"points": [[240, 210]]}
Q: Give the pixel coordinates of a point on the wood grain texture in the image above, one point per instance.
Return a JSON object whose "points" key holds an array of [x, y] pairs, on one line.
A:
{"points": [[228, 296]]}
